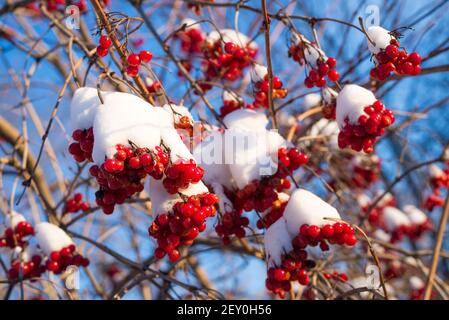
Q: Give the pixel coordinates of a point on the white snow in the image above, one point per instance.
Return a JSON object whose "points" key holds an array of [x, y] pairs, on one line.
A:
{"points": [[385, 200], [161, 200], [325, 127], [394, 218], [435, 171], [84, 106], [190, 24], [51, 238], [380, 37], [259, 72], [224, 204], [277, 241], [172, 140], [350, 103], [194, 189], [382, 235], [285, 119], [230, 96], [329, 94], [210, 155], [416, 283], [251, 155], [124, 117], [246, 119], [13, 219], [304, 207], [311, 100], [363, 200], [415, 215], [230, 35], [311, 53]]}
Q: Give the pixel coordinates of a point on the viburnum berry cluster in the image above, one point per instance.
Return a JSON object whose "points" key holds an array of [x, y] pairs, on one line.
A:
{"points": [[32, 268], [134, 60], [261, 89], [182, 225], [58, 261], [231, 103], [104, 43], [226, 56], [301, 226], [122, 176], [389, 57], [295, 265], [81, 148], [316, 77], [308, 53], [191, 37], [76, 203], [361, 125], [181, 174], [337, 276], [272, 215], [231, 223], [439, 181], [15, 236]]}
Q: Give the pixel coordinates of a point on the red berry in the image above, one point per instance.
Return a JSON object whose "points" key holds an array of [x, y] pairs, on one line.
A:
{"points": [[333, 75], [230, 47], [145, 56], [331, 62], [133, 60], [102, 51], [105, 41], [314, 231]]}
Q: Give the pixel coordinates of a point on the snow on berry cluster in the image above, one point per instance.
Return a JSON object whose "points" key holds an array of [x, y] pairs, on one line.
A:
{"points": [[141, 140], [16, 231], [439, 181], [179, 219], [361, 118], [252, 168], [52, 250], [305, 52], [388, 56], [410, 221], [262, 87], [304, 224]]}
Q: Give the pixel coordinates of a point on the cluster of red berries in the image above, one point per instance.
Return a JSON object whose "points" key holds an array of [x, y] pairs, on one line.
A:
{"points": [[28, 270], [329, 110], [231, 223], [288, 161], [375, 217], [337, 233], [415, 232], [230, 106], [121, 177], [180, 174], [337, 276], [76, 203], [437, 183], [261, 89], [181, 226], [364, 176], [392, 59], [259, 195], [363, 135], [226, 61], [12, 238], [58, 261], [294, 267], [273, 215], [316, 77], [192, 40], [154, 87], [134, 60], [103, 46], [81, 149]]}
